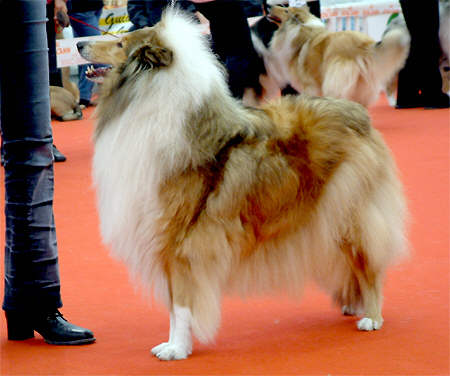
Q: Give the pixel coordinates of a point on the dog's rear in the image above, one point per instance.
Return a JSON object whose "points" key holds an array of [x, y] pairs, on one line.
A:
{"points": [[64, 105], [361, 74], [390, 53], [365, 73]]}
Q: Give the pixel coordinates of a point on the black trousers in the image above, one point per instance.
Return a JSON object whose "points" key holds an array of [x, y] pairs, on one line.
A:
{"points": [[421, 72], [31, 279], [54, 71], [232, 43]]}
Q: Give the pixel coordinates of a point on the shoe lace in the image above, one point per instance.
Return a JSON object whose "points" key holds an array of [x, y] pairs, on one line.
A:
{"points": [[55, 314]]}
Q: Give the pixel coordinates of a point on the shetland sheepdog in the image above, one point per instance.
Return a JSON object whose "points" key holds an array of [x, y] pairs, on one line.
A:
{"points": [[200, 195], [344, 64]]}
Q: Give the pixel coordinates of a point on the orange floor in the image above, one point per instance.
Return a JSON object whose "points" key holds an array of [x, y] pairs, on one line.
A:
{"points": [[271, 335]]}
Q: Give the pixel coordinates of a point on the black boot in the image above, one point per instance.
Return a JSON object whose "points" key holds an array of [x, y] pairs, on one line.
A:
{"points": [[55, 329]]}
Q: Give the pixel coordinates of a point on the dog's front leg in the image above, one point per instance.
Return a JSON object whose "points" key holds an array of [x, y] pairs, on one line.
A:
{"points": [[180, 338]]}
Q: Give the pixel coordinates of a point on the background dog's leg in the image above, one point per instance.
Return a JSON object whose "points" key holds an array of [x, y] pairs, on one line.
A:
{"points": [[180, 339]]}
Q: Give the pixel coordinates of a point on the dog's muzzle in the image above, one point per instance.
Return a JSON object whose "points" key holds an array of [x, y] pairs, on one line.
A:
{"points": [[81, 47]]}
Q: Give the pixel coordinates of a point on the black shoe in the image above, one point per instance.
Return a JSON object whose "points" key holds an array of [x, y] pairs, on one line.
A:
{"points": [[55, 329], [59, 157]]}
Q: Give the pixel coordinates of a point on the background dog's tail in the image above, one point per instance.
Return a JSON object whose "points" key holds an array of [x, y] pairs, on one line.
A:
{"points": [[390, 53], [340, 78]]}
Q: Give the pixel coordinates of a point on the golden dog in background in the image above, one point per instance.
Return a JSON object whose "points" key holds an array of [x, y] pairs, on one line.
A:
{"points": [[200, 195], [345, 64]]}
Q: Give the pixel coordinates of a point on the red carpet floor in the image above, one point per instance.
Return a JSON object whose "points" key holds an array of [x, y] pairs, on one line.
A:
{"points": [[271, 335]]}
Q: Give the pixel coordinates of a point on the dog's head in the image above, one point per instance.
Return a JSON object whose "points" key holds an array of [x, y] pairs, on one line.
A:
{"points": [[144, 48], [296, 15], [169, 64]]}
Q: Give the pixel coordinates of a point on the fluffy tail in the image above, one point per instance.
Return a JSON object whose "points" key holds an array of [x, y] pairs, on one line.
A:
{"points": [[390, 53], [341, 77]]}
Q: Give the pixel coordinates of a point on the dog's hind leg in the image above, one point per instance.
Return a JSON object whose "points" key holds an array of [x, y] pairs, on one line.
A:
{"points": [[372, 300], [370, 286], [348, 297]]}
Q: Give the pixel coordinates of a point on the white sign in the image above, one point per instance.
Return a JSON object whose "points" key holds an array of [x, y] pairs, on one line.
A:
{"points": [[112, 21], [115, 20], [67, 52]]}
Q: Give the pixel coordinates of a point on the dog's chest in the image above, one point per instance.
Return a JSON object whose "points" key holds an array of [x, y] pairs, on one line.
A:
{"points": [[280, 55]]}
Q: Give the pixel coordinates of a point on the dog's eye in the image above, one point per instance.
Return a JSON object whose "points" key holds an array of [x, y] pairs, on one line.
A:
{"points": [[119, 44]]}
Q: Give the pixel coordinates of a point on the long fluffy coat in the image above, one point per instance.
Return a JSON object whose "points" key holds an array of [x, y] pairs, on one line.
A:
{"points": [[200, 195]]}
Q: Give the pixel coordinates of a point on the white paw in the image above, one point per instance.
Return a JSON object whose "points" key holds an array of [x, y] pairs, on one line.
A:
{"points": [[158, 348], [369, 324], [169, 351]]}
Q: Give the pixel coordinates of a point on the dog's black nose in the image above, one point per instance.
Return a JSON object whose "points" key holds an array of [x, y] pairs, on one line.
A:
{"points": [[81, 45]]}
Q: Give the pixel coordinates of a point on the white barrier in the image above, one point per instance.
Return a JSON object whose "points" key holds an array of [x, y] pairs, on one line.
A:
{"points": [[369, 18]]}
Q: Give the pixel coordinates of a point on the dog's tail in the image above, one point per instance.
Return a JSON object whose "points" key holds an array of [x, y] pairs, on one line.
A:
{"points": [[390, 53], [341, 77]]}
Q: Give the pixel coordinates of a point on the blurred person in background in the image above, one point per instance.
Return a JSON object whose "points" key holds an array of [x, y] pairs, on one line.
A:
{"points": [[144, 13], [85, 17], [55, 9], [232, 40], [420, 80]]}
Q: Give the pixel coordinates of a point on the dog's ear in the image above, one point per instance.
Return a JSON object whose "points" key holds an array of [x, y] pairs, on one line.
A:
{"points": [[150, 57]]}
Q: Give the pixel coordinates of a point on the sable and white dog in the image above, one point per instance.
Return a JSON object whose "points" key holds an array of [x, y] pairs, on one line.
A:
{"points": [[344, 64], [200, 195]]}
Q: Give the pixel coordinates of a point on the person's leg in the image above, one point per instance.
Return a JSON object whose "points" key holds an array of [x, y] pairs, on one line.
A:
{"points": [[31, 260], [31, 280], [55, 73], [81, 30]]}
